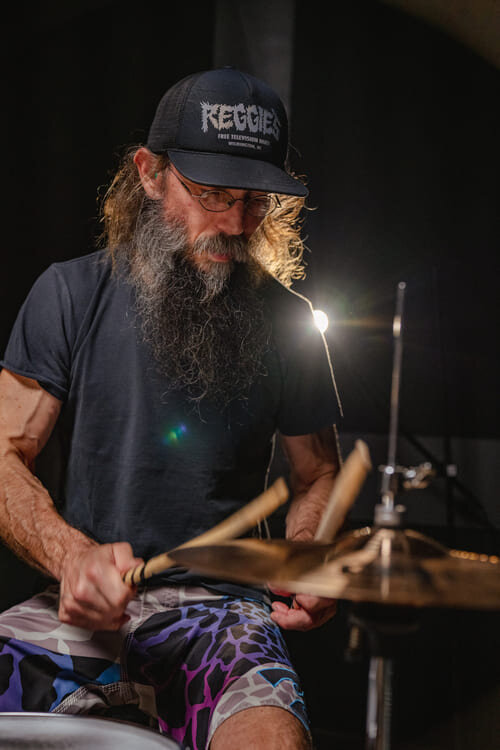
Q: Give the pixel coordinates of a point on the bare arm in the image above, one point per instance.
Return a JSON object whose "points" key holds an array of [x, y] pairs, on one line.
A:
{"points": [[314, 464], [31, 525], [29, 522]]}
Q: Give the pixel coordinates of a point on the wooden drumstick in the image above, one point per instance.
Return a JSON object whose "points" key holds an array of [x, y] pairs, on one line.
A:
{"points": [[232, 527], [345, 490]]}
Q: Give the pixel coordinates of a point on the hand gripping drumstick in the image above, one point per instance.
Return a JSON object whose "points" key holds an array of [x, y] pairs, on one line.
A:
{"points": [[236, 524], [345, 490]]}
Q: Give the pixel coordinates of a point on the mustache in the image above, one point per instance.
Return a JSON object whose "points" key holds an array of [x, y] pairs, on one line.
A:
{"points": [[236, 247]]}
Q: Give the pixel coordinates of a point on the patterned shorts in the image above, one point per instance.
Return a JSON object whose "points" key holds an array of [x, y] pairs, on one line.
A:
{"points": [[189, 658]]}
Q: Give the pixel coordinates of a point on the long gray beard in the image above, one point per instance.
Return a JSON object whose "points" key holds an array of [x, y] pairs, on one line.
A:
{"points": [[207, 329]]}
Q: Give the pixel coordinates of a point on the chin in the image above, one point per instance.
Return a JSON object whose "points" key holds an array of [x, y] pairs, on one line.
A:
{"points": [[209, 264]]}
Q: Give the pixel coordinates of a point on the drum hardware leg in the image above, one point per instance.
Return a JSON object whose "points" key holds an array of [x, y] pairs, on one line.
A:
{"points": [[386, 628], [379, 704], [353, 649]]}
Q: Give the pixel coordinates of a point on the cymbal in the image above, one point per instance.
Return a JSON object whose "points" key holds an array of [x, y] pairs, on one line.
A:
{"points": [[372, 565], [253, 560], [442, 582], [263, 560]]}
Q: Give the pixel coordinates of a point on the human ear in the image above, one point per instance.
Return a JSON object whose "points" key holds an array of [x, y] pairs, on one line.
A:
{"points": [[146, 164]]}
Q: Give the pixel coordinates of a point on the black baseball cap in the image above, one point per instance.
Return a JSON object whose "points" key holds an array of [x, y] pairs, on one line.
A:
{"points": [[225, 128]]}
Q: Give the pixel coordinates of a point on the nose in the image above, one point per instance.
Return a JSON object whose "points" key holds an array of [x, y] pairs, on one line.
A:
{"points": [[232, 221]]}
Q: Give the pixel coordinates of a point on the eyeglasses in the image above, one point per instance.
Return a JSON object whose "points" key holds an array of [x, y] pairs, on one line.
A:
{"points": [[258, 206]]}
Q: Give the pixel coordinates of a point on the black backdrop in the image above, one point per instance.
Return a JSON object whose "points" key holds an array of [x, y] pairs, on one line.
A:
{"points": [[396, 126], [82, 80]]}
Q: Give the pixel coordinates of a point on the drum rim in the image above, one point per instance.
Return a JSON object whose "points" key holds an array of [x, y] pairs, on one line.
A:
{"points": [[97, 720], [87, 717]]}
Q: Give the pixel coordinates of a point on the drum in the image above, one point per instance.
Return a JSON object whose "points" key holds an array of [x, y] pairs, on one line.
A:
{"points": [[34, 731]]}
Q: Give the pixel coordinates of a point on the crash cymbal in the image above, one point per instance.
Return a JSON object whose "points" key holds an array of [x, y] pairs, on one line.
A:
{"points": [[263, 560], [437, 582], [373, 565], [399, 568], [253, 560]]}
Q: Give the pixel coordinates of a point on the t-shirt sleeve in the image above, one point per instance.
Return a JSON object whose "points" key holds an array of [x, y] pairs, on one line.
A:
{"points": [[310, 400], [40, 343]]}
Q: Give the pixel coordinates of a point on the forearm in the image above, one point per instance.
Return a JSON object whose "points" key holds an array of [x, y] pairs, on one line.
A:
{"points": [[30, 523], [314, 463], [92, 592], [307, 507]]}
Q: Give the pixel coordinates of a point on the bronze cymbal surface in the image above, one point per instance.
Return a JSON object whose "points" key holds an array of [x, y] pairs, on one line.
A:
{"points": [[253, 560], [403, 568], [374, 565]]}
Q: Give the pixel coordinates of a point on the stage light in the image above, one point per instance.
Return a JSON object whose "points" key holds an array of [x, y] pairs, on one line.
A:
{"points": [[320, 320]]}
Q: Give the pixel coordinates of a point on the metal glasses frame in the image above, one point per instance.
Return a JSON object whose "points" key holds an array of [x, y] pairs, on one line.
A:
{"points": [[230, 199]]}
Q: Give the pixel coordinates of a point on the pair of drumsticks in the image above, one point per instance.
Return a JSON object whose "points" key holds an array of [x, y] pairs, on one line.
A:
{"points": [[345, 490]]}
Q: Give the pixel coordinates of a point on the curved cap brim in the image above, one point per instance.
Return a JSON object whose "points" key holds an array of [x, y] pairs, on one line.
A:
{"points": [[237, 172]]}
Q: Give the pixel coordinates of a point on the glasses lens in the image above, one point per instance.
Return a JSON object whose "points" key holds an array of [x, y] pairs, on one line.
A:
{"points": [[215, 200], [219, 200], [261, 205]]}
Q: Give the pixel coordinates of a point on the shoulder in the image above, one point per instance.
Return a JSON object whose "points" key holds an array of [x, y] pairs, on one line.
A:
{"points": [[291, 316], [287, 305], [87, 270], [76, 283], [310, 399]]}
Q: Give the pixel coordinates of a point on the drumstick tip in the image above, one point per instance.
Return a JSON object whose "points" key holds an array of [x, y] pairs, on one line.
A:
{"points": [[364, 453]]}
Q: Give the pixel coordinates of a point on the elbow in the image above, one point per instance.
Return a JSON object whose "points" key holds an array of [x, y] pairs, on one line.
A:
{"points": [[13, 449]]}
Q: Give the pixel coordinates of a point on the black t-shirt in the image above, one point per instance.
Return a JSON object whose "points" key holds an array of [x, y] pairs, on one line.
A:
{"points": [[137, 461]]}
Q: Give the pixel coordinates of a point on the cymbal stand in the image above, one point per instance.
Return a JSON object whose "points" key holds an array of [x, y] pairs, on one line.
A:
{"points": [[385, 625], [387, 628], [387, 489], [379, 701]]}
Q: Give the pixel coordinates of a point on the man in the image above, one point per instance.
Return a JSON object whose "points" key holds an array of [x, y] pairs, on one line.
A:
{"points": [[164, 365]]}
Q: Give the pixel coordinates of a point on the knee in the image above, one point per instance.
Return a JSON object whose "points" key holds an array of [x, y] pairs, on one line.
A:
{"points": [[267, 727]]}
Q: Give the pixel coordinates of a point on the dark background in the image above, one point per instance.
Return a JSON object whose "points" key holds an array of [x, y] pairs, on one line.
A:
{"points": [[395, 120]]}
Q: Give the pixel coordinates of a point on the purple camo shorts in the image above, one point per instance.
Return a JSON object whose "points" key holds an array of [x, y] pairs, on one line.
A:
{"points": [[188, 658]]}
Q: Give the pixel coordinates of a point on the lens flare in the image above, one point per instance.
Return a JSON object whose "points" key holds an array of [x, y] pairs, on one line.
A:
{"points": [[173, 435]]}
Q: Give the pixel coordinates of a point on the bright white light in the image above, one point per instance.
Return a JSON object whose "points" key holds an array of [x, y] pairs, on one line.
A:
{"points": [[396, 327], [320, 320]]}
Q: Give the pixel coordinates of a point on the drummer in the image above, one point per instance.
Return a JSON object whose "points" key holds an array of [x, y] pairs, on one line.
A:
{"points": [[162, 366]]}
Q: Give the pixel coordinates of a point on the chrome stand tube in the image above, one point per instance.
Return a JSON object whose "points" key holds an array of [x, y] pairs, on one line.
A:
{"points": [[379, 704]]}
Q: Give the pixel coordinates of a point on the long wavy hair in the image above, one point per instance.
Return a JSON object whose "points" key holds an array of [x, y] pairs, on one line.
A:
{"points": [[279, 246]]}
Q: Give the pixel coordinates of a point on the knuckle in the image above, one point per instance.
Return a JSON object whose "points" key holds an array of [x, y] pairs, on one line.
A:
{"points": [[81, 591], [65, 602], [71, 609], [94, 571], [68, 615]]}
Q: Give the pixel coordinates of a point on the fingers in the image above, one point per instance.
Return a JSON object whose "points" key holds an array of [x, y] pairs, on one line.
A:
{"points": [[124, 557], [279, 592], [306, 612], [316, 603], [72, 613], [290, 618], [93, 595]]}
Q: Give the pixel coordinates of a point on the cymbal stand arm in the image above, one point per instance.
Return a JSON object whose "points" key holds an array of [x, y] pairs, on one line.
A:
{"points": [[389, 470]]}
